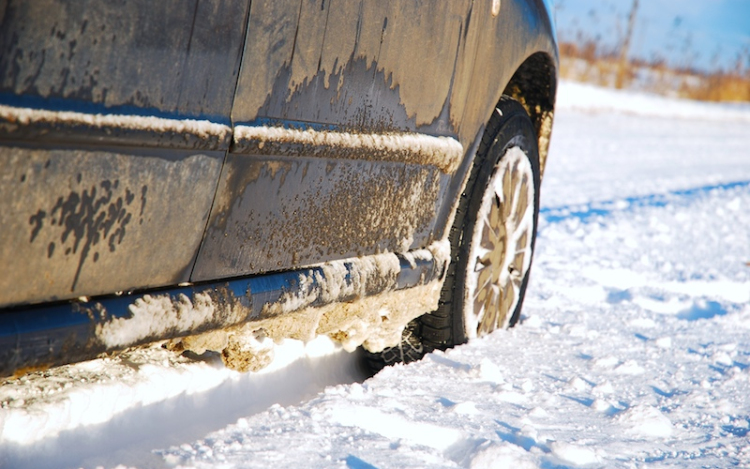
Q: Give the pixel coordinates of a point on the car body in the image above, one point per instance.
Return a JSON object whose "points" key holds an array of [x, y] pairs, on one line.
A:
{"points": [[158, 156]]}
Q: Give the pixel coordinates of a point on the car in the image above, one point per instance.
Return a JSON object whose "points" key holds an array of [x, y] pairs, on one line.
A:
{"points": [[217, 175]]}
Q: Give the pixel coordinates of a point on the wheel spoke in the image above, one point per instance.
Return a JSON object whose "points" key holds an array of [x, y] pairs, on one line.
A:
{"points": [[522, 202], [484, 279], [507, 302], [507, 186], [490, 312]]}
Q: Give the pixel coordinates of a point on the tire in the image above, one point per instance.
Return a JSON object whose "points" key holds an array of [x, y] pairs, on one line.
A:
{"points": [[486, 280]]}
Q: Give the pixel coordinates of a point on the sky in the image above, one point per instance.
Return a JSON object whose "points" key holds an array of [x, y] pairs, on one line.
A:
{"points": [[706, 34]]}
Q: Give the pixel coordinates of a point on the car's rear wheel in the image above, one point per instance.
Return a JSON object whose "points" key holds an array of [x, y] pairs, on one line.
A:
{"points": [[492, 242]]}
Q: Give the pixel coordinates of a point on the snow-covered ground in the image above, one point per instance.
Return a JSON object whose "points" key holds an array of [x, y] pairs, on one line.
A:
{"points": [[633, 350]]}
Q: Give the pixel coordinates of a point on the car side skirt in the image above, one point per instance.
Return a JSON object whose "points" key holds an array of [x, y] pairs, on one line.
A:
{"points": [[39, 337]]}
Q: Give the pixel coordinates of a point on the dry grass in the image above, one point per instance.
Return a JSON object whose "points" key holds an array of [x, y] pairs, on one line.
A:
{"points": [[588, 63]]}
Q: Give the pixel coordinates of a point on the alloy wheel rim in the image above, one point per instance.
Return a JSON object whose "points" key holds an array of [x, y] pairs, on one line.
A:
{"points": [[500, 253]]}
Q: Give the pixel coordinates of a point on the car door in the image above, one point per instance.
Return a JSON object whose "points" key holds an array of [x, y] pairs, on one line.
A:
{"points": [[345, 133], [114, 124]]}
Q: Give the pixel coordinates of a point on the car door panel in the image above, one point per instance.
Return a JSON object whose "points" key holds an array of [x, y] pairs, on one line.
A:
{"points": [[337, 71], [277, 213], [354, 60], [114, 123], [99, 221], [168, 58]]}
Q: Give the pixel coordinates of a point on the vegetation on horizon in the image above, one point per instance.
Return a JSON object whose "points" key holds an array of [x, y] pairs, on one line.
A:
{"points": [[591, 60]]}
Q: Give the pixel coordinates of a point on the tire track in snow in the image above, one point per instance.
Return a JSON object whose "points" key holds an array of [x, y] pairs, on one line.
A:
{"points": [[651, 236], [586, 212]]}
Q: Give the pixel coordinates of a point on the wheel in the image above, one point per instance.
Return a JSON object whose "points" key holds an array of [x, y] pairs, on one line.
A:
{"points": [[409, 350], [492, 242], [493, 235]]}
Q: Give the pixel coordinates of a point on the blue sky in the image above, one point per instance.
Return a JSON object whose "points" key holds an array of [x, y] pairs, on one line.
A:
{"points": [[702, 33]]}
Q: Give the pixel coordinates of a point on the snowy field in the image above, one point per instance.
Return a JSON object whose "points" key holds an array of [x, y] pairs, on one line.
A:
{"points": [[633, 349]]}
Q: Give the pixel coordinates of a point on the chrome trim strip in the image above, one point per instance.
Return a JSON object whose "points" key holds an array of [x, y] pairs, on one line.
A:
{"points": [[446, 153], [70, 125]]}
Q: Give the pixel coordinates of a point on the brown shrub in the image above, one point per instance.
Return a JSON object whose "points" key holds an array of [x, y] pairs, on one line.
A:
{"points": [[589, 62]]}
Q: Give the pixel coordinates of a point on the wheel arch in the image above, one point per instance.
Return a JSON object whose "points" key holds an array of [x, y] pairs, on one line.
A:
{"points": [[534, 85]]}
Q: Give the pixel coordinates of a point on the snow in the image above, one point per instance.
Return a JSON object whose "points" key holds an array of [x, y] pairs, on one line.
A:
{"points": [[592, 99], [93, 392], [152, 315], [633, 349], [376, 321], [320, 306]]}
